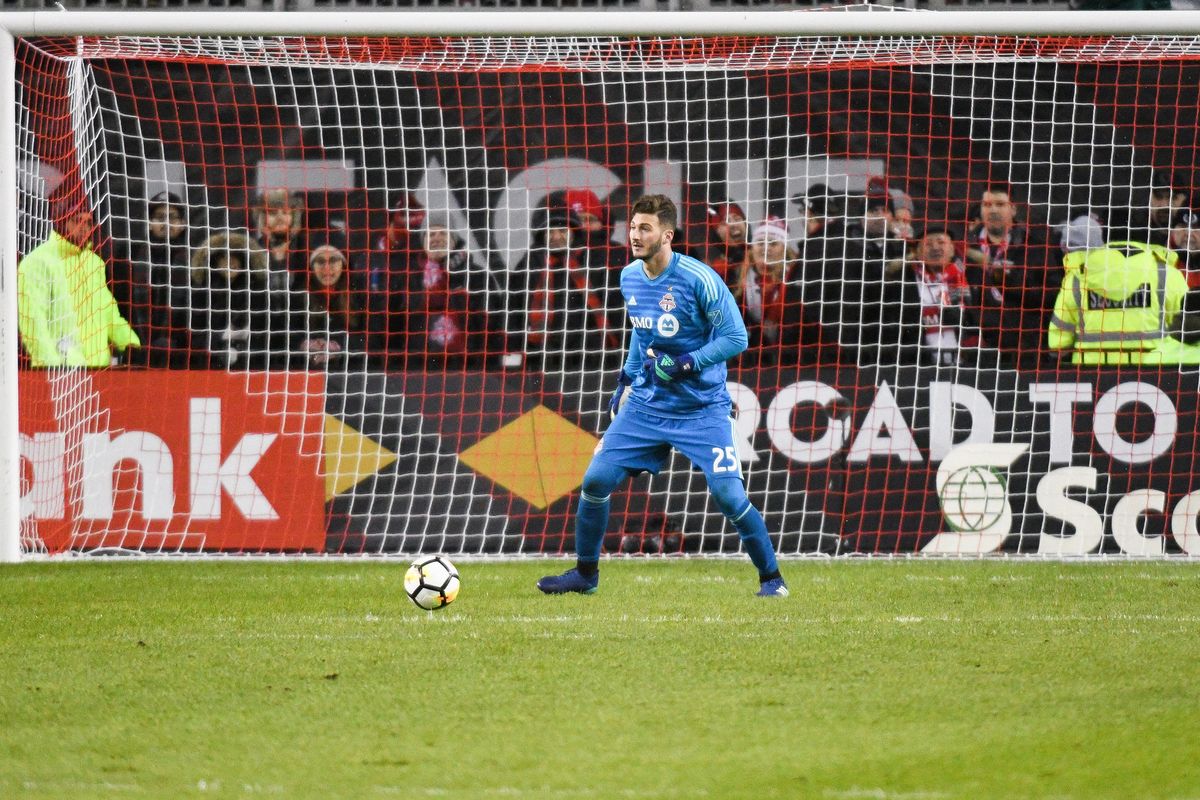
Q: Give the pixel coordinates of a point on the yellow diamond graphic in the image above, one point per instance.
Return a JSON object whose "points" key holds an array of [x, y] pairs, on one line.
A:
{"points": [[540, 457], [350, 457]]}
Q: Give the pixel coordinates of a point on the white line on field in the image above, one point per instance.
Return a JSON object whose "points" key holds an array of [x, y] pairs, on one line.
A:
{"points": [[78, 788], [883, 794], [421, 625], [540, 791]]}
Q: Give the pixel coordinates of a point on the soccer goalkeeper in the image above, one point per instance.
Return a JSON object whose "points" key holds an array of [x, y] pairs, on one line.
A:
{"points": [[686, 325]]}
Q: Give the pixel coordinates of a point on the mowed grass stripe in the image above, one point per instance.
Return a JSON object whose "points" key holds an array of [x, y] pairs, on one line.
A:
{"points": [[882, 679]]}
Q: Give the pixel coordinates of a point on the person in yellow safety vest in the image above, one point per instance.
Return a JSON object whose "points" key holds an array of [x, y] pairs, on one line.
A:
{"points": [[1122, 304], [66, 315]]}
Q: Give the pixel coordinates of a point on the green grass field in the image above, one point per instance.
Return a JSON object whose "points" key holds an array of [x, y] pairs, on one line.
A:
{"points": [[873, 680]]}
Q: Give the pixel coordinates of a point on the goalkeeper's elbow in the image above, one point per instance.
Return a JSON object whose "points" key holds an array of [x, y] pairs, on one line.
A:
{"points": [[734, 343]]}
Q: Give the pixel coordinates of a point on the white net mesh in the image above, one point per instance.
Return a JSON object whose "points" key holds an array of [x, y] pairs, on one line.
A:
{"points": [[374, 285]]}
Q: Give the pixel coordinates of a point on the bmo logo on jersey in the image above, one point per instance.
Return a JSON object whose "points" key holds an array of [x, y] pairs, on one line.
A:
{"points": [[667, 325], [645, 323]]}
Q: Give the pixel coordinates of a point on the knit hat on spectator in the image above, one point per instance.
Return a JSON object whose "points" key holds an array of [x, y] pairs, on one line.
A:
{"points": [[718, 213], [406, 203], [165, 198], [584, 201], [772, 228], [933, 229], [325, 249], [545, 218], [1081, 232], [1186, 218], [816, 199]]}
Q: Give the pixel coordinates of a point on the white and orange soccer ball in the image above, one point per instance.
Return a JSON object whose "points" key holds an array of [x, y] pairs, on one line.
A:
{"points": [[432, 582]]}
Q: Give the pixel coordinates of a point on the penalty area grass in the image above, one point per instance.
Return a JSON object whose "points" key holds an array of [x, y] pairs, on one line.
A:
{"points": [[972, 679]]}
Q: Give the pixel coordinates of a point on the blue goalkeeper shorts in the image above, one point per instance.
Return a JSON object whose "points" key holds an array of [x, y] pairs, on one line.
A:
{"points": [[642, 442]]}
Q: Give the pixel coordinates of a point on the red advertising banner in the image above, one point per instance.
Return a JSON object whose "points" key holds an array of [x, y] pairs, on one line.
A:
{"points": [[173, 461]]}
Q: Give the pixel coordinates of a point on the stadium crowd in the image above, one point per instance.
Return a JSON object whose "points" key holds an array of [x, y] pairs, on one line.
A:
{"points": [[848, 279]]}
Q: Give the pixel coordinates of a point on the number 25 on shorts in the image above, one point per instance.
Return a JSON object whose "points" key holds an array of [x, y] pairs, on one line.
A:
{"points": [[725, 459]]}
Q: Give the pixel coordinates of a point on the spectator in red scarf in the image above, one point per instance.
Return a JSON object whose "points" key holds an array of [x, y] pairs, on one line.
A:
{"points": [[447, 325], [561, 309], [725, 248], [395, 250], [761, 284], [393, 258], [1017, 276], [780, 329], [949, 328]]}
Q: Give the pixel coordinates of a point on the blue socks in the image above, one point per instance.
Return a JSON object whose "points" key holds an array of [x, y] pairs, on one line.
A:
{"points": [[591, 515], [731, 498], [591, 522], [752, 530], [591, 519]]}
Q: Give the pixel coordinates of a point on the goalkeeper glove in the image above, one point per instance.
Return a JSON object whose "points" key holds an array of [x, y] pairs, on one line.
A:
{"points": [[666, 367], [623, 384]]}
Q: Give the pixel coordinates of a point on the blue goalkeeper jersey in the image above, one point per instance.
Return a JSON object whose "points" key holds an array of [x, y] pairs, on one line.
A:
{"points": [[687, 309]]}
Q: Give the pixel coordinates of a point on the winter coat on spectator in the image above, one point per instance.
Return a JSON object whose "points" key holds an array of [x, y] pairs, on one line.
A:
{"points": [[236, 316], [445, 323], [563, 308], [67, 317], [1015, 284], [338, 327], [158, 297]]}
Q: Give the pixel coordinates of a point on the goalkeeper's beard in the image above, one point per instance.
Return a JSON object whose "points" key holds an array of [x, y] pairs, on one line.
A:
{"points": [[649, 251]]}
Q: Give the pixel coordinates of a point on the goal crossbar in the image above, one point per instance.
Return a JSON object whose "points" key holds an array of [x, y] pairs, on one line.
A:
{"points": [[461, 24], [601, 23]]}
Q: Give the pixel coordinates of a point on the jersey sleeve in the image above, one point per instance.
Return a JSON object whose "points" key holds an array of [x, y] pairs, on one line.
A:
{"points": [[722, 312]]}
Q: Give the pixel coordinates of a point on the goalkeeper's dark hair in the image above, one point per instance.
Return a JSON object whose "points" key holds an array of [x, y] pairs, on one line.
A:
{"points": [[660, 206]]}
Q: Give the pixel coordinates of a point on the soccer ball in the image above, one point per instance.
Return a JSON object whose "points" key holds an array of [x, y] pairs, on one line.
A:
{"points": [[432, 582]]}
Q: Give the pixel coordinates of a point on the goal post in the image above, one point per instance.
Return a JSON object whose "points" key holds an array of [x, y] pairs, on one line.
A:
{"points": [[445, 392], [10, 463]]}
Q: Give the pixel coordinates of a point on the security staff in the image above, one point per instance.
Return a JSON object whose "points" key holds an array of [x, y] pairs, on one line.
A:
{"points": [[66, 315], [1122, 304]]}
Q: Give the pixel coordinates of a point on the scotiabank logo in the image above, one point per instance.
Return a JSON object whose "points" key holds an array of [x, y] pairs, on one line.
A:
{"points": [[173, 460]]}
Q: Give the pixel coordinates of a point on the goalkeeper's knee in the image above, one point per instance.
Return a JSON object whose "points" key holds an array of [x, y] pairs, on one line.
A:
{"points": [[730, 496], [601, 479]]}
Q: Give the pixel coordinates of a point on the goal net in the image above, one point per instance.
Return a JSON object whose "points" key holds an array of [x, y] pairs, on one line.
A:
{"points": [[319, 294]]}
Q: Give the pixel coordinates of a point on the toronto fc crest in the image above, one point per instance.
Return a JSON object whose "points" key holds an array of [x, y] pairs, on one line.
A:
{"points": [[667, 303]]}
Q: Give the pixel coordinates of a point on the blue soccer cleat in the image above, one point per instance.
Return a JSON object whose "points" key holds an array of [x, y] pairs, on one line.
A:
{"points": [[569, 581], [773, 588]]}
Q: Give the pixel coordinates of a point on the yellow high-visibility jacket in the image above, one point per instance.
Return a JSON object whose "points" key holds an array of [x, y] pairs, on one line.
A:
{"points": [[1117, 304], [66, 315]]}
